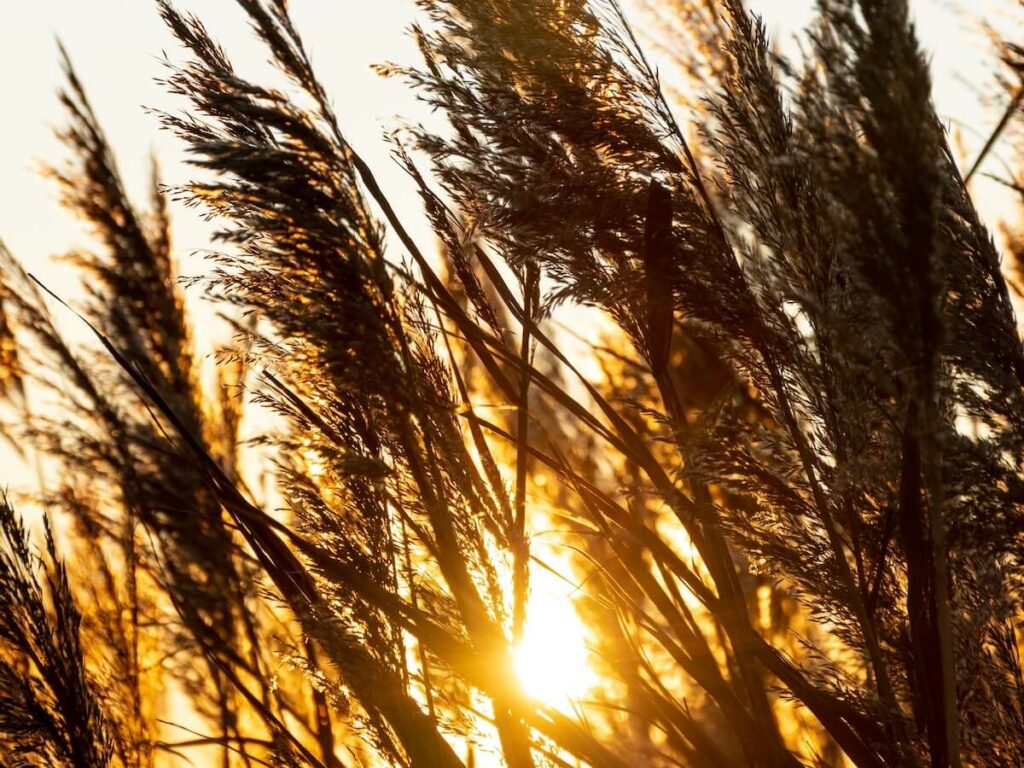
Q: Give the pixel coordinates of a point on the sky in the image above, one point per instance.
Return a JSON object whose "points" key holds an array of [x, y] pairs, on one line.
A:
{"points": [[117, 46]]}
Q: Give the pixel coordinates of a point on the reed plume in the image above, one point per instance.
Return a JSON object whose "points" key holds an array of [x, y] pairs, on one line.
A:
{"points": [[783, 469]]}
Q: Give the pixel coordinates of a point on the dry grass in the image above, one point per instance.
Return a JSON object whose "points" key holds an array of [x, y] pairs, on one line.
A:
{"points": [[791, 504]]}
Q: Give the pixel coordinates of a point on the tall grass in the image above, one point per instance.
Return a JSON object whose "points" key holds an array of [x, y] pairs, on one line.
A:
{"points": [[784, 466]]}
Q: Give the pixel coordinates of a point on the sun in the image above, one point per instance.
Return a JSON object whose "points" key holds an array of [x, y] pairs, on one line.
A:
{"points": [[551, 661]]}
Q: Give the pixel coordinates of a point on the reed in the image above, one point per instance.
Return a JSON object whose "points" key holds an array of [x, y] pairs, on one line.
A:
{"points": [[783, 470]]}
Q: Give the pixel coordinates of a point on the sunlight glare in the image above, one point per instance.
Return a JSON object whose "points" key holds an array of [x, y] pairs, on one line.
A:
{"points": [[551, 660]]}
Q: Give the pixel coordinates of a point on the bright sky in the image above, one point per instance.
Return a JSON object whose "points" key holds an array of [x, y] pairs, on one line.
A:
{"points": [[116, 46]]}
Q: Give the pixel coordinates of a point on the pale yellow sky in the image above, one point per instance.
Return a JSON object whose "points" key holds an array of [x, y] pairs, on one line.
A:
{"points": [[116, 45]]}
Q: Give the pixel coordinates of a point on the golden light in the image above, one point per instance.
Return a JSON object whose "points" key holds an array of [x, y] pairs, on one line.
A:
{"points": [[551, 660]]}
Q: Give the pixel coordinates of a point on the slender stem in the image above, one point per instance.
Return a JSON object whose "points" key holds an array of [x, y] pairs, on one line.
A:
{"points": [[1004, 121], [521, 549]]}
